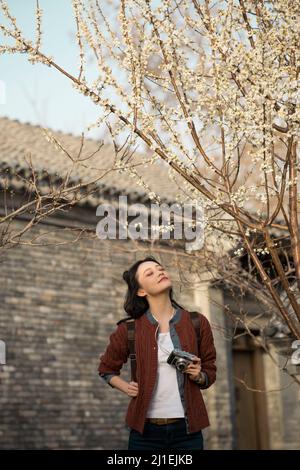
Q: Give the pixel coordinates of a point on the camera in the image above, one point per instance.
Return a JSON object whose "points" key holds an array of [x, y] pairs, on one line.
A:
{"points": [[180, 359]]}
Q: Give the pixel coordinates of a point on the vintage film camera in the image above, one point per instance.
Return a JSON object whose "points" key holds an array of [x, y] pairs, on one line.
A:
{"points": [[180, 359]]}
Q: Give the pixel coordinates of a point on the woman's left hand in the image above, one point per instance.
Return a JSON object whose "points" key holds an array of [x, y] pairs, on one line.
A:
{"points": [[193, 370]]}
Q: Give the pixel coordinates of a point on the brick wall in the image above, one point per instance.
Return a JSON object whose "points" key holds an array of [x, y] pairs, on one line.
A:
{"points": [[283, 400], [59, 305]]}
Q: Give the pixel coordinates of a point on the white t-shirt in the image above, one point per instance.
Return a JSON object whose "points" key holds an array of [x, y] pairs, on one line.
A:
{"points": [[165, 401]]}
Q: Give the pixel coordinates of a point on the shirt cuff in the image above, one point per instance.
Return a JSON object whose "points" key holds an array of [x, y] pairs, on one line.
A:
{"points": [[205, 384], [107, 378]]}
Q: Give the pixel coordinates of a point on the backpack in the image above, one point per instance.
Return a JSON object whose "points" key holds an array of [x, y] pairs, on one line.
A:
{"points": [[131, 338]]}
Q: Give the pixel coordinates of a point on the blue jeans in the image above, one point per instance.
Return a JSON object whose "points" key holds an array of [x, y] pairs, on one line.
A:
{"points": [[165, 436]]}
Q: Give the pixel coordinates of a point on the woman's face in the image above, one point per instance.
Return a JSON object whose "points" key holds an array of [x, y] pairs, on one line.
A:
{"points": [[153, 278]]}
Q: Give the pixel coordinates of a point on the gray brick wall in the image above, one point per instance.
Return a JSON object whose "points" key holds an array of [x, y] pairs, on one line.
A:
{"points": [[59, 304]]}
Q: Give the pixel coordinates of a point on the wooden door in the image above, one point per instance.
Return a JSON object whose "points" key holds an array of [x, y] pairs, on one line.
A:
{"points": [[250, 406]]}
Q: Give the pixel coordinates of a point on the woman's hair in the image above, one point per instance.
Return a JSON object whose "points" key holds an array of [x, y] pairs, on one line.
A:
{"points": [[135, 305]]}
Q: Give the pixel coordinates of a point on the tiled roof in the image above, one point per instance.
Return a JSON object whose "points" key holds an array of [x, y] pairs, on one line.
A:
{"points": [[19, 139]]}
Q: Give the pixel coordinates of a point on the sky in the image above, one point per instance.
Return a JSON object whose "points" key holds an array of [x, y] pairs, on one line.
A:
{"points": [[39, 94]]}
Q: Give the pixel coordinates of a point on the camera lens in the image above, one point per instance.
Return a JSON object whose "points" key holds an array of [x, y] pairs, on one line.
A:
{"points": [[181, 365]]}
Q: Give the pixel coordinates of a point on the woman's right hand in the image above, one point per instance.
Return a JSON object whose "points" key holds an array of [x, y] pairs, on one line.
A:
{"points": [[132, 389]]}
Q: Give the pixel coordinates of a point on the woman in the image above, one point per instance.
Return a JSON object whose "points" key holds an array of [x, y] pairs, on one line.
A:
{"points": [[166, 409]]}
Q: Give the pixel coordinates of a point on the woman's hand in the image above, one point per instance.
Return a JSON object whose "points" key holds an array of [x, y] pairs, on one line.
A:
{"points": [[193, 370], [132, 389]]}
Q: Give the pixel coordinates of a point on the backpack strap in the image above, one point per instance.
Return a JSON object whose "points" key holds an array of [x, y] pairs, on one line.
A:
{"points": [[196, 322], [123, 319], [131, 343], [131, 346]]}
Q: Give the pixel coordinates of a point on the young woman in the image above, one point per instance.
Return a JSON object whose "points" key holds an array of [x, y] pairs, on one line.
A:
{"points": [[166, 409]]}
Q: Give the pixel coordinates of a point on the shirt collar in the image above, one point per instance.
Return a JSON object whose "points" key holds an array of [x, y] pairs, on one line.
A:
{"points": [[176, 317]]}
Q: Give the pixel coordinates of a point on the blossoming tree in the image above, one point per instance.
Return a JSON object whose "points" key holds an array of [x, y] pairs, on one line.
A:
{"points": [[210, 88]]}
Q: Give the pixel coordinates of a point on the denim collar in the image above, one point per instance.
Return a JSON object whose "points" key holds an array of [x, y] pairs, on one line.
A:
{"points": [[176, 317]]}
